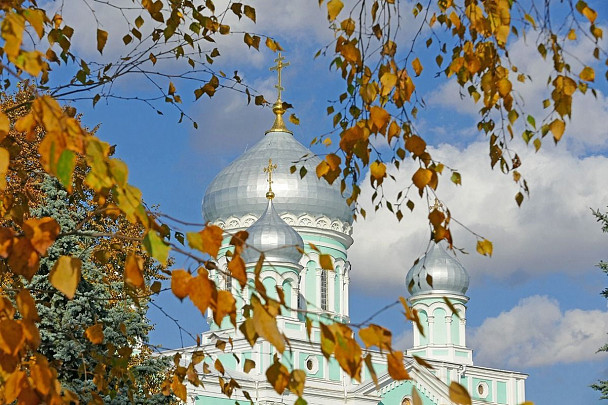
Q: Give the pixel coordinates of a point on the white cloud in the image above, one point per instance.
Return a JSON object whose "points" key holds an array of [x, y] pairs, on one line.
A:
{"points": [[553, 231], [537, 333]]}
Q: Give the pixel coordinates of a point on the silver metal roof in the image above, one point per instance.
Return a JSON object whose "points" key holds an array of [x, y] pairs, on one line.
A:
{"points": [[448, 275], [239, 188], [271, 235]]}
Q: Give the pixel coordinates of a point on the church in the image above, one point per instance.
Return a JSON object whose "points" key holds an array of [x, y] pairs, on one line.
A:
{"points": [[284, 215]]}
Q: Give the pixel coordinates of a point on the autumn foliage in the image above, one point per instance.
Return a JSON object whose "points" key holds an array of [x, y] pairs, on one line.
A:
{"points": [[39, 137]]}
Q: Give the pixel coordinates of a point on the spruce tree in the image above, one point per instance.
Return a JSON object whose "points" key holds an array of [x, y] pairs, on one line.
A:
{"points": [[121, 366]]}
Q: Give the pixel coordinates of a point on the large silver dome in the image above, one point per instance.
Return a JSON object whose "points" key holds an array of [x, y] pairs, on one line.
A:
{"points": [[271, 235], [239, 189], [448, 275]]}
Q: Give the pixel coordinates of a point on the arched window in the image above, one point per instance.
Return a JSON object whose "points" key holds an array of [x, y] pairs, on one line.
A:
{"points": [[324, 289], [406, 401]]}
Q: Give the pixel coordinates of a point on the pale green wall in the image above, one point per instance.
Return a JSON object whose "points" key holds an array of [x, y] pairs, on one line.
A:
{"points": [[425, 324], [501, 392], [440, 328], [396, 395]]}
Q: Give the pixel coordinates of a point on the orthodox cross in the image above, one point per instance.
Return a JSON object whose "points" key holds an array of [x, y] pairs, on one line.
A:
{"points": [[269, 169], [279, 66], [436, 205]]}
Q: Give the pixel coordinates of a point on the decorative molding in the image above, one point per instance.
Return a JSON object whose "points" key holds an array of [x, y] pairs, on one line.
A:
{"points": [[321, 222]]}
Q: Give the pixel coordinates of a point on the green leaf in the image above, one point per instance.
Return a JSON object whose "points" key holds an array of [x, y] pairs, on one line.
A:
{"points": [[65, 168], [156, 247]]}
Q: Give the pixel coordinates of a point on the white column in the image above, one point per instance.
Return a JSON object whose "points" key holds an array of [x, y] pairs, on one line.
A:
{"points": [[448, 327], [346, 284], [463, 336], [331, 279], [431, 330]]}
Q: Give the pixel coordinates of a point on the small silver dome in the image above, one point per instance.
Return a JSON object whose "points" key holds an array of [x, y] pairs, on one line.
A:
{"points": [[239, 189], [448, 275], [271, 235]]}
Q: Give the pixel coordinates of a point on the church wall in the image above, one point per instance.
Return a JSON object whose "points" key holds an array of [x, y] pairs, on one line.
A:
{"points": [[396, 395]]}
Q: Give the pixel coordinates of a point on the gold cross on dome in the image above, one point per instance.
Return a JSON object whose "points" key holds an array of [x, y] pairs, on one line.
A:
{"points": [[279, 66], [269, 169], [436, 205]]}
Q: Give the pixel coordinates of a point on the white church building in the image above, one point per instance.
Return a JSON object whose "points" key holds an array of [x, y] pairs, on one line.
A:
{"points": [[298, 212]]}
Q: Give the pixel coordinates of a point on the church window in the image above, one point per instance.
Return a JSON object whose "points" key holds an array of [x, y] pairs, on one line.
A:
{"points": [[406, 401], [482, 390], [228, 283], [323, 290]]}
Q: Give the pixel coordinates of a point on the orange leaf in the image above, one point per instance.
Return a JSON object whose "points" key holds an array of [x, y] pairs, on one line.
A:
{"points": [[6, 242], [41, 232], [201, 290], [24, 260], [15, 383], [134, 274], [278, 376], [236, 267], [65, 275], [225, 305], [95, 333], [11, 336], [422, 177], [27, 306], [325, 262], [179, 283], [396, 368], [378, 172], [209, 240], [417, 66], [416, 145], [459, 394]]}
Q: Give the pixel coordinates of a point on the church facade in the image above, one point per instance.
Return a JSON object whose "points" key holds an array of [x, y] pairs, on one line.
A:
{"points": [[293, 220]]}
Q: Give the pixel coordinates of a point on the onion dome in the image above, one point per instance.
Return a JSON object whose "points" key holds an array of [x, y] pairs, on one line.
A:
{"points": [[238, 190], [271, 235], [448, 276]]}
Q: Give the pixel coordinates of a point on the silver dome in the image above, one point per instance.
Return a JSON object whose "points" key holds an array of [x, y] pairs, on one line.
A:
{"points": [[271, 235], [239, 189], [448, 275]]}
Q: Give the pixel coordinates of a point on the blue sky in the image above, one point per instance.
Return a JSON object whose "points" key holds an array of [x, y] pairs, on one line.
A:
{"points": [[535, 306]]}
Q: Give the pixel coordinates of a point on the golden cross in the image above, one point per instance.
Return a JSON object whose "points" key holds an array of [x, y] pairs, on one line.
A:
{"points": [[269, 169], [436, 205], [279, 66]]}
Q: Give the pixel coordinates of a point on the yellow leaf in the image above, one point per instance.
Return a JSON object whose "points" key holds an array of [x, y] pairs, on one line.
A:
{"points": [[422, 178], [484, 247], [4, 162], [572, 35], [12, 31], [249, 12], [348, 26], [24, 259], [36, 18], [379, 117], [417, 66], [95, 333], [459, 394], [65, 275], [557, 128], [326, 262], [171, 88], [504, 87], [294, 120], [156, 246], [396, 369], [102, 38], [266, 325], [587, 74], [333, 9], [5, 125], [375, 335], [388, 81], [179, 389], [134, 273], [378, 172]]}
